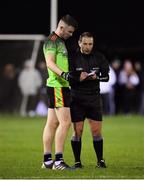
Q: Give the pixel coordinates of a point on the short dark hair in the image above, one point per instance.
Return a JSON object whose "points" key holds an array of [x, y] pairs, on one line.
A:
{"points": [[86, 34], [70, 21]]}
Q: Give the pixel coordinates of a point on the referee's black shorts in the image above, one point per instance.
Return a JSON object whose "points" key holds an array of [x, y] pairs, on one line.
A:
{"points": [[88, 106], [58, 97]]}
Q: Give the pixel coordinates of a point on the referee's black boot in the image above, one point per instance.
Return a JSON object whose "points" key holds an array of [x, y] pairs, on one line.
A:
{"points": [[101, 164], [77, 165]]}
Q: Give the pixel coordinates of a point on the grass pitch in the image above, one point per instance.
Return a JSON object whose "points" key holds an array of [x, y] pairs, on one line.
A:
{"points": [[21, 150]]}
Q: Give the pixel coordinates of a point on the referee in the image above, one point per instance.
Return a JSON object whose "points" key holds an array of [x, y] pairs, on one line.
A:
{"points": [[85, 94]]}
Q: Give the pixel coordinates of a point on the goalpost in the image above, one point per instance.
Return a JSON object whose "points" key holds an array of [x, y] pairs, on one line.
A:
{"points": [[16, 48], [18, 56], [36, 38]]}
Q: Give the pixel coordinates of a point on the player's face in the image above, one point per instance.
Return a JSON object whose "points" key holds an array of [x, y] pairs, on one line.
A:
{"points": [[68, 31], [86, 45]]}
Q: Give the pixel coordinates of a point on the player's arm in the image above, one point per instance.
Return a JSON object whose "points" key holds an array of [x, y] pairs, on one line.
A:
{"points": [[50, 62]]}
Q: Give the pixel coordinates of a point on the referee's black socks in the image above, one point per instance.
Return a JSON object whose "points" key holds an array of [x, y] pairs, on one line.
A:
{"points": [[98, 147], [76, 147]]}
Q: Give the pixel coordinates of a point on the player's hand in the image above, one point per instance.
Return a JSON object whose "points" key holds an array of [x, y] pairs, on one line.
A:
{"points": [[71, 76], [65, 75]]}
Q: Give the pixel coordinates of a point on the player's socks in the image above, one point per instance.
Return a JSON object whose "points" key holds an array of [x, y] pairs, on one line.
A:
{"points": [[76, 147], [98, 147], [48, 158], [58, 157], [47, 162]]}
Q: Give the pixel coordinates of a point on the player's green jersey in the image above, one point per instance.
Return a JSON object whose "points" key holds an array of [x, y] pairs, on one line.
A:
{"points": [[54, 44]]}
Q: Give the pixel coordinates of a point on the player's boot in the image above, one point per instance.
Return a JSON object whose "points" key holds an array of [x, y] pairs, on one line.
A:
{"points": [[45, 166], [61, 166], [101, 164]]}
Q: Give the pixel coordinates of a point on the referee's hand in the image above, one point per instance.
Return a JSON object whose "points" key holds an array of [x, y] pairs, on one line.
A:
{"points": [[83, 76]]}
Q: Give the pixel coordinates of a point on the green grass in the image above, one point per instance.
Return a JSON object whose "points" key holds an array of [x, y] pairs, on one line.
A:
{"points": [[21, 151]]}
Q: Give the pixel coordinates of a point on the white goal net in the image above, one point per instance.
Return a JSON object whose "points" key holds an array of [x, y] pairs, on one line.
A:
{"points": [[16, 49]]}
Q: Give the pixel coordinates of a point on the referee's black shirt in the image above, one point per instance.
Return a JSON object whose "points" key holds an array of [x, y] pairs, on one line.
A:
{"points": [[87, 63]]}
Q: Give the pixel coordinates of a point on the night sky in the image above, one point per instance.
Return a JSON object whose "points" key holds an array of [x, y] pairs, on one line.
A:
{"points": [[114, 23]]}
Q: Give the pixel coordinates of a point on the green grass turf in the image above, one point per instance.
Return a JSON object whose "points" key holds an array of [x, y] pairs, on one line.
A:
{"points": [[21, 151]]}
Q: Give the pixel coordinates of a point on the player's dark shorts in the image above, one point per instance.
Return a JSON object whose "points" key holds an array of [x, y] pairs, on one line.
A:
{"points": [[58, 97], [88, 106]]}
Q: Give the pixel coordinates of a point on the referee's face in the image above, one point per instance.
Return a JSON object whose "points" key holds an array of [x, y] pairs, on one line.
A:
{"points": [[86, 45]]}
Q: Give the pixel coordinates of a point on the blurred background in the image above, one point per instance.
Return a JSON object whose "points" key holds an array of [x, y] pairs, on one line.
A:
{"points": [[118, 30]]}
